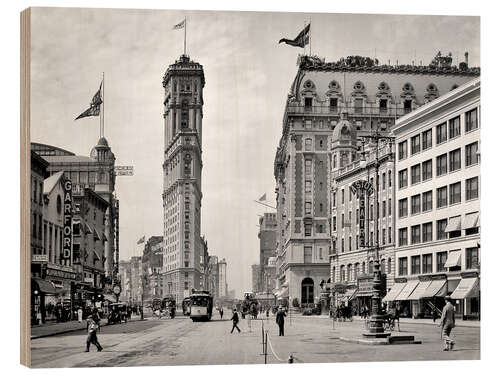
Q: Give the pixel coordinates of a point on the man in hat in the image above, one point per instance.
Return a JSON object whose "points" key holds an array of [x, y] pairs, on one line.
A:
{"points": [[280, 320], [448, 323]]}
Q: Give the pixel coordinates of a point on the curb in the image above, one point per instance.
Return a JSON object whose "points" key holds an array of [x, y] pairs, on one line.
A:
{"points": [[34, 337], [377, 342]]}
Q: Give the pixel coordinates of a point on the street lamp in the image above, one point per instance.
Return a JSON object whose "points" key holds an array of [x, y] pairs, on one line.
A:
{"points": [[376, 326]]}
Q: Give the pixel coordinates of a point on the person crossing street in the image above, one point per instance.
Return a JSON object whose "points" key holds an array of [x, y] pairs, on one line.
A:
{"points": [[280, 320], [235, 320], [447, 324], [92, 327]]}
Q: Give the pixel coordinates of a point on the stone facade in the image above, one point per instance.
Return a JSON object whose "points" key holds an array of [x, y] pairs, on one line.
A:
{"points": [[369, 95], [183, 113]]}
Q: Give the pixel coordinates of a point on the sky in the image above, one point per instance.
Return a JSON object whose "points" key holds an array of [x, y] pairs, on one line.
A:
{"points": [[248, 76]]}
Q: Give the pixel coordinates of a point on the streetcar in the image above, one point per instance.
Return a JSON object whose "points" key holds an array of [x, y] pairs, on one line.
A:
{"points": [[201, 306]]}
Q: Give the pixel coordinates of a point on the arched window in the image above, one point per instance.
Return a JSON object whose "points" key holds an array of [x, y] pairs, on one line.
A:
{"points": [[342, 273], [349, 272], [363, 269], [389, 265], [356, 270], [370, 267], [307, 291], [382, 266]]}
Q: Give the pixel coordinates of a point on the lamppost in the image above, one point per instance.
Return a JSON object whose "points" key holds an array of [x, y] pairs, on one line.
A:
{"points": [[376, 326]]}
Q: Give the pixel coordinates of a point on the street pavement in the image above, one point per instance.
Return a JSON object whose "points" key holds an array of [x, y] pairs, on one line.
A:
{"points": [[182, 342]]}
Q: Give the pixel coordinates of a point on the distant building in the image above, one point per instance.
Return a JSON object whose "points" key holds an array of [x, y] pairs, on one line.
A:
{"points": [[213, 275], [204, 259], [256, 275], [125, 273], [222, 278], [136, 280], [152, 266]]}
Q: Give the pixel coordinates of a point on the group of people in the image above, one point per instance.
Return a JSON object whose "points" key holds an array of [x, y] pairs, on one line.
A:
{"points": [[280, 320]]}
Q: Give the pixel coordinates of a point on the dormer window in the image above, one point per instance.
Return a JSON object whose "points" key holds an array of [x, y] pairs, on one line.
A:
{"points": [[383, 105], [308, 104]]}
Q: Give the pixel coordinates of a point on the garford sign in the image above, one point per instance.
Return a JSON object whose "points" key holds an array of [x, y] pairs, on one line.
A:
{"points": [[68, 220]]}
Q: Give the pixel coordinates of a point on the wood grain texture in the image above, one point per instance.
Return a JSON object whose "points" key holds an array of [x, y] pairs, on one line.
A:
{"points": [[25, 256]]}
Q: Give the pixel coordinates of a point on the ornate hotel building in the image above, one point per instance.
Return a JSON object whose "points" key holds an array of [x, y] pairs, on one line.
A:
{"points": [[438, 205], [183, 113], [313, 153]]}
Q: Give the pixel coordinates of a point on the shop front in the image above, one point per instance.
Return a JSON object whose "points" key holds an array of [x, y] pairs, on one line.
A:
{"points": [[467, 296], [59, 306], [41, 290], [402, 299]]}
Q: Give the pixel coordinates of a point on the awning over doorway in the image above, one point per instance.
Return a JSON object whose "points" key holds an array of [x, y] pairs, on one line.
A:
{"points": [[453, 259], [44, 286], [420, 290], [394, 292], [407, 290], [468, 287], [349, 293], [437, 288]]}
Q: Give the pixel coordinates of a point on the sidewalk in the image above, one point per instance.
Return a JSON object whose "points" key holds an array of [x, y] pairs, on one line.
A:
{"points": [[458, 322], [52, 328]]}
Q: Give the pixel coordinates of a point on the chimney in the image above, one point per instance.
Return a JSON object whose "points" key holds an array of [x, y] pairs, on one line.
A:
{"points": [[467, 58]]}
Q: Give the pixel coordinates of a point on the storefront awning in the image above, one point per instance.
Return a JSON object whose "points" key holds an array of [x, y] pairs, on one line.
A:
{"points": [[419, 290], [394, 292], [472, 220], [96, 256], [453, 259], [354, 295], [454, 224], [104, 238], [349, 293], [96, 235], [407, 290], [44, 286], [437, 288], [468, 287]]}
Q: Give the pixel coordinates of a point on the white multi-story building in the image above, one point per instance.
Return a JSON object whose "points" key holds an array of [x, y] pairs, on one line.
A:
{"points": [[437, 200]]}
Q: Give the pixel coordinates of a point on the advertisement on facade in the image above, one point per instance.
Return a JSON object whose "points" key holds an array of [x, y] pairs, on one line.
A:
{"points": [[68, 220]]}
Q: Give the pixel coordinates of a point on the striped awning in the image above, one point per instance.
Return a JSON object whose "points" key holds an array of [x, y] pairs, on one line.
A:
{"points": [[407, 290], [394, 292], [437, 288], [472, 220], [468, 287], [419, 290], [454, 224], [454, 259]]}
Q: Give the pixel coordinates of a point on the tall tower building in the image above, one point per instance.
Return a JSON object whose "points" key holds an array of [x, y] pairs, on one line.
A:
{"points": [[183, 113]]}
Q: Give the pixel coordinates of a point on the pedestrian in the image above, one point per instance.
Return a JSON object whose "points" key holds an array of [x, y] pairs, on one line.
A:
{"points": [[280, 320], [235, 320], [447, 324], [221, 312], [92, 327], [434, 315]]}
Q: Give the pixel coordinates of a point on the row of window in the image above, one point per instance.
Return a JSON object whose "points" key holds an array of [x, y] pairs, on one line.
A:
{"points": [[386, 211], [386, 182], [352, 271], [423, 264], [422, 233], [444, 131], [447, 162], [385, 237]]}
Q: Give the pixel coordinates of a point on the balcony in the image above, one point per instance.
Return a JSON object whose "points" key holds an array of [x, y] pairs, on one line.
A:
{"points": [[361, 111]]}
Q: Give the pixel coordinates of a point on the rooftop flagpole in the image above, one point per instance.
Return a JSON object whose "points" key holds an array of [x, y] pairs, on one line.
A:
{"points": [[185, 32], [102, 116]]}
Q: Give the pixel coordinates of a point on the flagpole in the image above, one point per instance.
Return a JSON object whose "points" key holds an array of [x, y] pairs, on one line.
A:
{"points": [[310, 36], [102, 116], [303, 38], [185, 32]]}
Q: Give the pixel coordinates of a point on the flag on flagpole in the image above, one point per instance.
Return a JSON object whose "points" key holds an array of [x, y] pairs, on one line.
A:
{"points": [[95, 106], [141, 240], [300, 40], [180, 25], [263, 198]]}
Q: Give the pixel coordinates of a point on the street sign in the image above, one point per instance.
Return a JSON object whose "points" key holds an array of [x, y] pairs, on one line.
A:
{"points": [[124, 170]]}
